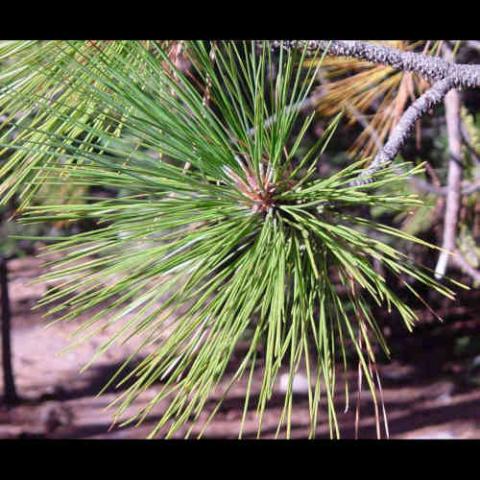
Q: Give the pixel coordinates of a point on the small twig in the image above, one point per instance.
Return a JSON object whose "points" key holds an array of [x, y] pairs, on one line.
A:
{"points": [[468, 143], [421, 185], [455, 172], [400, 133], [459, 260], [467, 188]]}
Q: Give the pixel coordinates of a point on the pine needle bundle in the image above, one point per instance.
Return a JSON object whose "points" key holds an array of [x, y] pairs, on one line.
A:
{"points": [[220, 230]]}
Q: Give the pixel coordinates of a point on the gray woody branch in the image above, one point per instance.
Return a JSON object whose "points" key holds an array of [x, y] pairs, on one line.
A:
{"points": [[400, 133], [431, 68], [446, 75]]}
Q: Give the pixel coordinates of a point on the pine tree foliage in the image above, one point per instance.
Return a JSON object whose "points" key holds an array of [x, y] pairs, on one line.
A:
{"points": [[52, 72], [222, 229]]}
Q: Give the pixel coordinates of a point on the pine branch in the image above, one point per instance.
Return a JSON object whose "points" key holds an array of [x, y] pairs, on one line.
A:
{"points": [[445, 73], [431, 68], [176, 270], [400, 133]]}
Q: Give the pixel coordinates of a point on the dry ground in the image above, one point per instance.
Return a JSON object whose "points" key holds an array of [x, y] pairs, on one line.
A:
{"points": [[427, 395]]}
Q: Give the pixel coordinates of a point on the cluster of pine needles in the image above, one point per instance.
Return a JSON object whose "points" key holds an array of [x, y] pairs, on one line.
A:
{"points": [[220, 231]]}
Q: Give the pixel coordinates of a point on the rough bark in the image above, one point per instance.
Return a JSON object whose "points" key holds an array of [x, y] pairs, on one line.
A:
{"points": [[431, 68]]}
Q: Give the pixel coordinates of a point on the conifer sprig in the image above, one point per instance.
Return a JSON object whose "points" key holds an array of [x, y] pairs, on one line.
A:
{"points": [[247, 243]]}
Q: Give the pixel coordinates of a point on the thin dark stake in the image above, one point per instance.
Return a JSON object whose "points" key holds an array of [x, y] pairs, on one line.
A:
{"points": [[10, 392]]}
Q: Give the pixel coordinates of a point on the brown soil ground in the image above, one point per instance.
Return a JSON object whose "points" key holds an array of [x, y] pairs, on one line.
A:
{"points": [[430, 391]]}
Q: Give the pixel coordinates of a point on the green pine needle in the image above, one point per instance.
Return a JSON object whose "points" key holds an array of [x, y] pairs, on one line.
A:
{"points": [[222, 230]]}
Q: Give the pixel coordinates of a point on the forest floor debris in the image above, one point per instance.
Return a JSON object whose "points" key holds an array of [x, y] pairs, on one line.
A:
{"points": [[427, 393]]}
